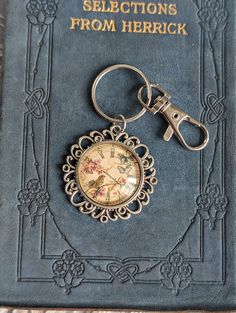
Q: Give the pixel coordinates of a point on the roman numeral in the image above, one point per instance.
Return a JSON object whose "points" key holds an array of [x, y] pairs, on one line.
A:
{"points": [[101, 153], [108, 198], [113, 151]]}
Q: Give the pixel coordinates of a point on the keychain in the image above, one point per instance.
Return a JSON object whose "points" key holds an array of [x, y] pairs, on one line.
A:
{"points": [[110, 174]]}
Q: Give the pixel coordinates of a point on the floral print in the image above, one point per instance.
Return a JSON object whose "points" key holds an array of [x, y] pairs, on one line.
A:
{"points": [[123, 180], [90, 166], [99, 192], [108, 174]]}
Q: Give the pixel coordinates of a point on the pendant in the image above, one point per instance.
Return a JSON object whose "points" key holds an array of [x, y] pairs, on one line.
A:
{"points": [[109, 175]]}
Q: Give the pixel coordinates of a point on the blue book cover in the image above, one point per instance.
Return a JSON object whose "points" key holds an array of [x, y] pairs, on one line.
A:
{"points": [[179, 252]]}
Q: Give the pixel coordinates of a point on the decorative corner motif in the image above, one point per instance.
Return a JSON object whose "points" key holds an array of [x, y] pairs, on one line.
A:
{"points": [[213, 18], [41, 12], [33, 200], [176, 273], [212, 205], [68, 271]]}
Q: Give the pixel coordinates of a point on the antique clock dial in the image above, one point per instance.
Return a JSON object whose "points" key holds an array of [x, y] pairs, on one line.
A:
{"points": [[109, 174]]}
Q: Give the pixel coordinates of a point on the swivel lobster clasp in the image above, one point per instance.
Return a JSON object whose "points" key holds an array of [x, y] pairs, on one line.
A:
{"points": [[174, 117]]}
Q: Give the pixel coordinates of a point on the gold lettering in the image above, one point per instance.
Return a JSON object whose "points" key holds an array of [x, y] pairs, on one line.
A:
{"points": [[74, 22], [137, 27], [164, 28], [172, 9], [104, 7], [122, 7], [163, 8], [127, 7], [157, 28], [151, 8], [85, 24], [182, 29], [147, 27], [143, 7], [173, 31], [96, 25], [114, 6], [96, 6], [135, 7], [87, 5], [109, 26], [126, 27]]}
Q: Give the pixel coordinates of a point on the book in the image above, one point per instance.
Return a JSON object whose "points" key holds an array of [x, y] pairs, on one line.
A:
{"points": [[178, 253]]}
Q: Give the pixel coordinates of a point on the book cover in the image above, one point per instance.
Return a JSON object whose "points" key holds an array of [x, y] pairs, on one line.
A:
{"points": [[179, 252]]}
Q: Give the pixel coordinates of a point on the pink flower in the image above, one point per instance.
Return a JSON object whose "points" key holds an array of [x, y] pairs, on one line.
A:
{"points": [[100, 192], [123, 181], [90, 166]]}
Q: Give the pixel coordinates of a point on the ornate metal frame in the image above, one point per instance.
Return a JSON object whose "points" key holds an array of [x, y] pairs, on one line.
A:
{"points": [[140, 197]]}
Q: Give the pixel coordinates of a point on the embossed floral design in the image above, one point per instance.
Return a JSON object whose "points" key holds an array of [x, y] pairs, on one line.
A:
{"points": [[213, 17], [68, 271], [49, 8], [33, 7], [167, 270], [176, 273], [41, 12], [77, 269], [24, 196], [33, 200], [69, 257], [59, 268], [212, 205], [34, 186]]}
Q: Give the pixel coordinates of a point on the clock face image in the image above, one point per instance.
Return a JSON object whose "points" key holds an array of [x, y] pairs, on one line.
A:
{"points": [[109, 174]]}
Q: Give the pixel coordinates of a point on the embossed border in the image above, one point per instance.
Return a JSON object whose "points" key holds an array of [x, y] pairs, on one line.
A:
{"points": [[71, 269]]}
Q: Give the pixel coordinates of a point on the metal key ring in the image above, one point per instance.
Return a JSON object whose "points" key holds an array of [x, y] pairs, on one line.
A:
{"points": [[108, 70]]}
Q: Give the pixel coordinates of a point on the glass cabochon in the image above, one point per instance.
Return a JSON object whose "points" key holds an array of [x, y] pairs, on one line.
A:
{"points": [[109, 174]]}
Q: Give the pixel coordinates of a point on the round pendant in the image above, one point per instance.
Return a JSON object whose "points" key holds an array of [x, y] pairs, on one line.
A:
{"points": [[109, 175]]}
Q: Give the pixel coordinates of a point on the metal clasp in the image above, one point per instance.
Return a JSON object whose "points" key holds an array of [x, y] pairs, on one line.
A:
{"points": [[174, 117]]}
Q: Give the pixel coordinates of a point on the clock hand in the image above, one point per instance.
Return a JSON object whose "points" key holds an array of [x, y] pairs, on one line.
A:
{"points": [[111, 177]]}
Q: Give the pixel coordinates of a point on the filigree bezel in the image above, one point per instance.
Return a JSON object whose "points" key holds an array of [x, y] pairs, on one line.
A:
{"points": [[138, 200]]}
